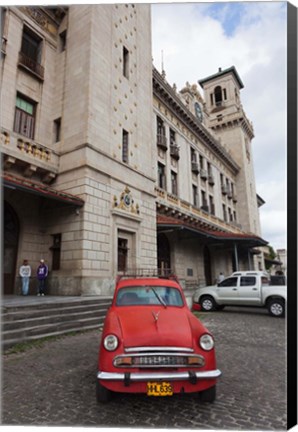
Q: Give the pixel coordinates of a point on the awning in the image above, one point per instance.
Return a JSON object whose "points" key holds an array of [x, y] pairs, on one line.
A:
{"points": [[170, 223], [39, 189]]}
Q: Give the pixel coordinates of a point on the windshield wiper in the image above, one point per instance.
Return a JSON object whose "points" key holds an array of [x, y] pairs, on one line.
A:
{"points": [[161, 301]]}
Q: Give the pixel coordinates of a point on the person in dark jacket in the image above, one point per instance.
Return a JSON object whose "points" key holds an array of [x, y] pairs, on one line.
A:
{"points": [[42, 273]]}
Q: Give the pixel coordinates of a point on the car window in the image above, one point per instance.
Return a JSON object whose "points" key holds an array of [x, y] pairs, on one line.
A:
{"points": [[149, 295], [230, 282], [247, 281]]}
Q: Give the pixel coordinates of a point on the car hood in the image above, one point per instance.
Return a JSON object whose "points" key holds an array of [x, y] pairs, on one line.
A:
{"points": [[155, 326]]}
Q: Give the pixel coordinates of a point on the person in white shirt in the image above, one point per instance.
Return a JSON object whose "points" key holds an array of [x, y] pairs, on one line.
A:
{"points": [[25, 273], [220, 277]]}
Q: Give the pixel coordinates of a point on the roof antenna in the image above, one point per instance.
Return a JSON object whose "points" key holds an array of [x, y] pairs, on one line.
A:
{"points": [[163, 74]]}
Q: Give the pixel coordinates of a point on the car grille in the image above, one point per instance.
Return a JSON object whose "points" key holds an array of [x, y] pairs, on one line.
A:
{"points": [[158, 360]]}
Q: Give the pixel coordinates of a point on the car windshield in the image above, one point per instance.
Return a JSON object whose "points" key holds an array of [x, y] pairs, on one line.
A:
{"points": [[149, 295]]}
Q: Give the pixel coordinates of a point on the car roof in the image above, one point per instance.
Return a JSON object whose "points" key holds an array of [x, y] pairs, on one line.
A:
{"points": [[250, 273], [143, 281]]}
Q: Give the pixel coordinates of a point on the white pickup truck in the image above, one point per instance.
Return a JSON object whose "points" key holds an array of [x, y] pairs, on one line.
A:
{"points": [[244, 288]]}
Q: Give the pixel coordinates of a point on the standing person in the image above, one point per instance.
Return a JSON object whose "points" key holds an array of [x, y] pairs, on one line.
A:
{"points": [[42, 273], [25, 273], [220, 277]]}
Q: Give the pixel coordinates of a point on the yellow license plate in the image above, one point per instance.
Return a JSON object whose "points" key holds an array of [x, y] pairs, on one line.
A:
{"points": [[159, 389]]}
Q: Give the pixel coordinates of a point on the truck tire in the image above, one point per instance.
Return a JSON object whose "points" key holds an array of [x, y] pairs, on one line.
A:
{"points": [[207, 303], [208, 395], [276, 307], [103, 395]]}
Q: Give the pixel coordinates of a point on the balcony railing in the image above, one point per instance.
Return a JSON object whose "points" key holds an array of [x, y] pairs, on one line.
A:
{"points": [[161, 141], [195, 167], [224, 189], [31, 65], [203, 174], [211, 179], [174, 151]]}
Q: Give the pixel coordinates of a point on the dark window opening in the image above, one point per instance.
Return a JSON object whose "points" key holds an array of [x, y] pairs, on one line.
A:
{"points": [[31, 53], [57, 130], [122, 254], [174, 183], [161, 176], [124, 146], [218, 96], [125, 62]]}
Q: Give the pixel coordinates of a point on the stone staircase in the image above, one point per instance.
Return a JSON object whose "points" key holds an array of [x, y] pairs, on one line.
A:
{"points": [[27, 322]]}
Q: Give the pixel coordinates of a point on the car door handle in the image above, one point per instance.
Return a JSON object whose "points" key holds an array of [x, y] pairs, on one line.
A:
{"points": [[234, 289], [255, 289]]}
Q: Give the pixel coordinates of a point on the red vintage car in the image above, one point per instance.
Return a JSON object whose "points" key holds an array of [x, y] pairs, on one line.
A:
{"points": [[153, 344]]}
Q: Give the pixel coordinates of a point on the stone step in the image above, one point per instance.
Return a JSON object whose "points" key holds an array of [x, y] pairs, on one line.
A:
{"points": [[62, 309], [27, 322]]}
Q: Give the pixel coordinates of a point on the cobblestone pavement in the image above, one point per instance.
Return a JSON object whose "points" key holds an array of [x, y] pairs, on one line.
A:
{"points": [[54, 384]]}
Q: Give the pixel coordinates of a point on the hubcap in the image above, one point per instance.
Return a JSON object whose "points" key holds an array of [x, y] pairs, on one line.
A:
{"points": [[207, 304], [276, 309]]}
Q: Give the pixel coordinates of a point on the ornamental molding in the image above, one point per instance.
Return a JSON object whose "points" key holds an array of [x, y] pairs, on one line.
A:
{"points": [[126, 202]]}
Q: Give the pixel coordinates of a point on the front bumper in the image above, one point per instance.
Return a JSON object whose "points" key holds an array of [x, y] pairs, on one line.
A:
{"points": [[149, 376]]}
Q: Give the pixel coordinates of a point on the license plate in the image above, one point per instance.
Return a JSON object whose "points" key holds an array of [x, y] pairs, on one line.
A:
{"points": [[159, 389]]}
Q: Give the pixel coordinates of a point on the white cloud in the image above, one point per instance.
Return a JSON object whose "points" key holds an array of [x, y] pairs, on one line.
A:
{"points": [[195, 45]]}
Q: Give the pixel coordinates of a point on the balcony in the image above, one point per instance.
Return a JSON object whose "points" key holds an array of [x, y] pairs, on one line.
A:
{"points": [[230, 194], [224, 189], [28, 156], [174, 151], [234, 197], [31, 66], [195, 167], [203, 174], [161, 141], [211, 179]]}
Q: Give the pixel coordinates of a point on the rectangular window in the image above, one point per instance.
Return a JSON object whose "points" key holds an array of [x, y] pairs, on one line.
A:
{"points": [[172, 137], [211, 205], [57, 130], [174, 183], [31, 52], [125, 61], [125, 146], [195, 196], [122, 254], [24, 121], [161, 176]]}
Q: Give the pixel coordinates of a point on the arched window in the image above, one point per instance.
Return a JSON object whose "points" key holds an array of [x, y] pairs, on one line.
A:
{"points": [[218, 96]]}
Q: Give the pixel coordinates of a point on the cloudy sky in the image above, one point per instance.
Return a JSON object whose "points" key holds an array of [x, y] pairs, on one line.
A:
{"points": [[198, 38]]}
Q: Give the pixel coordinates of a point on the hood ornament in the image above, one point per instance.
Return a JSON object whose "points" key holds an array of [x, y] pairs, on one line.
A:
{"points": [[155, 315]]}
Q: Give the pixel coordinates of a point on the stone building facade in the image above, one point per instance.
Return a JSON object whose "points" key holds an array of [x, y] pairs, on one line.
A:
{"points": [[102, 160]]}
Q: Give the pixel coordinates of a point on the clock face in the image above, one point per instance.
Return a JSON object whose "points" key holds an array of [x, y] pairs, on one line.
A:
{"points": [[198, 111]]}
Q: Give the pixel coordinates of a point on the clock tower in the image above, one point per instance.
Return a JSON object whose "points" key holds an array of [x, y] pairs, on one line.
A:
{"points": [[228, 121]]}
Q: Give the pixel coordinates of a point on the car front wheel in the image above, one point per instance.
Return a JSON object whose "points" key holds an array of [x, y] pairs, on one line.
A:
{"points": [[208, 395], [103, 395], [276, 308], [207, 303]]}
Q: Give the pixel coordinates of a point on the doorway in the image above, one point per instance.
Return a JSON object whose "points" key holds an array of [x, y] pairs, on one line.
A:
{"points": [[11, 241], [163, 252]]}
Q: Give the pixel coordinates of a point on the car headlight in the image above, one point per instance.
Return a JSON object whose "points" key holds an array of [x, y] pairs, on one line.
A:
{"points": [[206, 342], [110, 342]]}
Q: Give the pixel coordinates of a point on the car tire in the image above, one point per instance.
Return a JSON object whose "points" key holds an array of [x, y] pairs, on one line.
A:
{"points": [[276, 308], [208, 395], [103, 395], [207, 304]]}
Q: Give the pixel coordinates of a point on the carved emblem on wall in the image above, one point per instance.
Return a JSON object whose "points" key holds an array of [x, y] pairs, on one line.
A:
{"points": [[126, 202]]}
